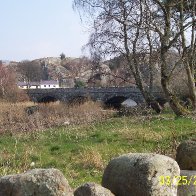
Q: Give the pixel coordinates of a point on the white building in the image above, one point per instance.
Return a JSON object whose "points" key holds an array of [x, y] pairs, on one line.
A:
{"points": [[49, 84], [37, 85]]}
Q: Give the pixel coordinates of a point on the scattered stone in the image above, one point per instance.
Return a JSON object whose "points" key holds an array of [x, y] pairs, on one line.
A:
{"points": [[92, 189], [140, 174], [31, 109], [32, 164], [188, 185], [66, 123], [36, 182], [186, 155]]}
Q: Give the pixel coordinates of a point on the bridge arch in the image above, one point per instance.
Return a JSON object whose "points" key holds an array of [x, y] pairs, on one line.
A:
{"points": [[47, 99], [115, 101]]}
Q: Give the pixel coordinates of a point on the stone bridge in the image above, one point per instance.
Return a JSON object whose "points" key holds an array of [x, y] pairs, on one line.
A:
{"points": [[109, 95]]}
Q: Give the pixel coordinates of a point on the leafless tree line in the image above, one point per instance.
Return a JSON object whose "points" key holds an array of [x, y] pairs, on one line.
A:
{"points": [[146, 32]]}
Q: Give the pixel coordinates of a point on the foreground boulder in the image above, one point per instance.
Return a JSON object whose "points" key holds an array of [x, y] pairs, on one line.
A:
{"points": [[186, 155], [187, 186], [92, 189], [140, 174], [37, 182]]}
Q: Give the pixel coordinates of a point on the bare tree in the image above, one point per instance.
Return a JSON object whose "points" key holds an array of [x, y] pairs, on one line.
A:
{"points": [[170, 20], [144, 31], [62, 56], [118, 30], [77, 67], [187, 11], [30, 70], [3, 80], [8, 88]]}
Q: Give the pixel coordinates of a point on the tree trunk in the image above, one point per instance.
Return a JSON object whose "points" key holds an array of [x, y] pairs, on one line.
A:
{"points": [[192, 88], [189, 54], [177, 108], [134, 66], [150, 100]]}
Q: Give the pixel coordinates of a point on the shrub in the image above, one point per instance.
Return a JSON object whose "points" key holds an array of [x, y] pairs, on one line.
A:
{"points": [[79, 84]]}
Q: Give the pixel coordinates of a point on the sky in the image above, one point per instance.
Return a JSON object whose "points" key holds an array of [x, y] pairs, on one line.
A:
{"points": [[31, 29]]}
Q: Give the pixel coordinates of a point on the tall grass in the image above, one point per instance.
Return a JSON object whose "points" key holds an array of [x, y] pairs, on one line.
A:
{"points": [[14, 117]]}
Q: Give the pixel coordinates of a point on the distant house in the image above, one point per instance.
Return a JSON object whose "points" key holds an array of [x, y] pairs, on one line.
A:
{"points": [[37, 85], [49, 84], [30, 85]]}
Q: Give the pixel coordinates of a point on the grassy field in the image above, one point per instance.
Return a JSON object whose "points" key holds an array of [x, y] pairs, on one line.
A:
{"points": [[82, 151]]}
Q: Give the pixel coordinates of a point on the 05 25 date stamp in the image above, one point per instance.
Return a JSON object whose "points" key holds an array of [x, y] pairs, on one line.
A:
{"points": [[177, 180]]}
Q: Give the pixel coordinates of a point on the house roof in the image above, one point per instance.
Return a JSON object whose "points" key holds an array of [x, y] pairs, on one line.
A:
{"points": [[49, 82]]}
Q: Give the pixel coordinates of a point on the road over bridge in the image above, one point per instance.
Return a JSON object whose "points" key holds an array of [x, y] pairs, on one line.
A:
{"points": [[109, 95]]}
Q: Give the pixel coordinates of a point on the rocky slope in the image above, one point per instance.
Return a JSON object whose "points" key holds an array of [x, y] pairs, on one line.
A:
{"points": [[78, 71]]}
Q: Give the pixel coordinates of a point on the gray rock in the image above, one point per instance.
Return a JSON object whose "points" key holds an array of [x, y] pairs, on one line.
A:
{"points": [[92, 189], [186, 155], [36, 182], [31, 109], [187, 185], [139, 174]]}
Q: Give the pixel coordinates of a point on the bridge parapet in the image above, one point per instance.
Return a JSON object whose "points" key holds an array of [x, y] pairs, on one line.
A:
{"points": [[93, 89]]}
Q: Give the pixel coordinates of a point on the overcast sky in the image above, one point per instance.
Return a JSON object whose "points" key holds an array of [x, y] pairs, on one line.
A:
{"points": [[33, 29]]}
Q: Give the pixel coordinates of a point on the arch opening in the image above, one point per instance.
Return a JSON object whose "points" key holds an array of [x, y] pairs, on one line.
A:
{"points": [[115, 102], [48, 99]]}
